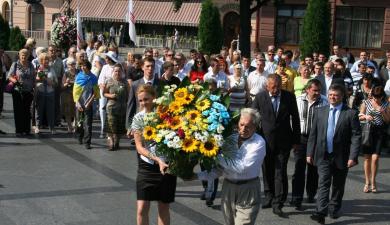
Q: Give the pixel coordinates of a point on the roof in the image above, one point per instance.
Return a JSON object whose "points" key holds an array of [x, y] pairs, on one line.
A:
{"points": [[146, 11]]}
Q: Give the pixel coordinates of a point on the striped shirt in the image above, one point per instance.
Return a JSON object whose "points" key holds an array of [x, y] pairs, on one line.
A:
{"points": [[306, 110], [356, 77], [377, 118]]}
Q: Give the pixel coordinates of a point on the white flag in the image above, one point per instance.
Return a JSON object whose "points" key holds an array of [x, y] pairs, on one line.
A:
{"points": [[131, 20], [80, 37]]}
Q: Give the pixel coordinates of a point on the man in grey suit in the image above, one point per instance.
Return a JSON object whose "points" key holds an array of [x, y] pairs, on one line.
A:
{"points": [[333, 147], [148, 78]]}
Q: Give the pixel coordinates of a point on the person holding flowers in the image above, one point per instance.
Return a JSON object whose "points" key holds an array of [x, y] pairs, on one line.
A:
{"points": [[153, 183], [116, 91], [85, 91], [240, 198], [67, 102]]}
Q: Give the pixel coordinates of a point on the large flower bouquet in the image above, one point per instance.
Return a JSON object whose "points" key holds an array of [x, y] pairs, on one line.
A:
{"points": [[188, 127], [64, 32]]}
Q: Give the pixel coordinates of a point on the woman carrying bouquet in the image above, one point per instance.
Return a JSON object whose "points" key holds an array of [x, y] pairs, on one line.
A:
{"points": [[153, 184], [116, 91], [67, 102]]}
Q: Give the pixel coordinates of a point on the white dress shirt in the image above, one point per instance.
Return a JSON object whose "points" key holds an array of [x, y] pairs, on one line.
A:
{"points": [[246, 163], [257, 82], [387, 88], [105, 74], [270, 67], [328, 82]]}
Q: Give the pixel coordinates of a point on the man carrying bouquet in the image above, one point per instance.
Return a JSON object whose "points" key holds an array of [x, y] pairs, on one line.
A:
{"points": [[241, 187]]}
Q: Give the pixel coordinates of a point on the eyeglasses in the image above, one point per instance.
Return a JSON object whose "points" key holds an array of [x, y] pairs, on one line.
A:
{"points": [[170, 55], [199, 62], [175, 64]]}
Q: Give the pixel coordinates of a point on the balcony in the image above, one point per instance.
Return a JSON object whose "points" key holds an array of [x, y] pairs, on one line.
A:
{"points": [[161, 41], [37, 34]]}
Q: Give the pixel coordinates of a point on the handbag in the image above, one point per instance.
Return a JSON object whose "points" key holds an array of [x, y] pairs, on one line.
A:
{"points": [[366, 134], [386, 115], [10, 86]]}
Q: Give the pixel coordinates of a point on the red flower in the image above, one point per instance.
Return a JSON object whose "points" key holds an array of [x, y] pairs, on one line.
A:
{"points": [[180, 133]]}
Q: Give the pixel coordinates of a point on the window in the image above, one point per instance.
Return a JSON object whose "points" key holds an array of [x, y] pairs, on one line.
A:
{"points": [[359, 27], [6, 11], [289, 24], [37, 17]]}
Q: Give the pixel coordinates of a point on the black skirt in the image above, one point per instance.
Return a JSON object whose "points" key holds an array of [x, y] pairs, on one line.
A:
{"points": [[378, 138], [152, 185]]}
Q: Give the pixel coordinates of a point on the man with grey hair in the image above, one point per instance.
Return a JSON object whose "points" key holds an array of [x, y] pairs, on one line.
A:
{"points": [[240, 198]]}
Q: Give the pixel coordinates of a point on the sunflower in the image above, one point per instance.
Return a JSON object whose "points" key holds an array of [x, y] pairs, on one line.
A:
{"points": [[209, 148], [149, 133], [189, 145], [162, 109], [175, 123], [193, 116], [180, 94], [203, 105], [188, 99], [175, 107]]}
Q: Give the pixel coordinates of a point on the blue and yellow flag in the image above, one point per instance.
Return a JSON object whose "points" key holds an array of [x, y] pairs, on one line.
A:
{"points": [[81, 81]]}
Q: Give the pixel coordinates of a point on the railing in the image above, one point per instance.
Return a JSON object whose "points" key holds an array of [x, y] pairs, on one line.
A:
{"points": [[37, 34], [159, 42]]}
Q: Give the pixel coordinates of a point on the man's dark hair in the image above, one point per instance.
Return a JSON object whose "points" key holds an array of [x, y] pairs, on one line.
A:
{"points": [[138, 57], [167, 64], [339, 88], [288, 53], [312, 82], [309, 56], [148, 59], [340, 61], [87, 64], [193, 51], [275, 77]]}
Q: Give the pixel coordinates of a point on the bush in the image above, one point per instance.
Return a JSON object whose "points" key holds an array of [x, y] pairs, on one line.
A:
{"points": [[316, 28], [210, 29], [16, 39], [4, 33]]}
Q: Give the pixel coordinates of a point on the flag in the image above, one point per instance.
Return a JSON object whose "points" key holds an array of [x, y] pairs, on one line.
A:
{"points": [[131, 20], [80, 37]]}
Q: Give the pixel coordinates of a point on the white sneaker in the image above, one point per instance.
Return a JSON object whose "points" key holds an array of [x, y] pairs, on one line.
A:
{"points": [[36, 130]]}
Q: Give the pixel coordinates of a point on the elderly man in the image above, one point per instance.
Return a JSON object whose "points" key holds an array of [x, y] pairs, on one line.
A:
{"points": [[241, 187]]}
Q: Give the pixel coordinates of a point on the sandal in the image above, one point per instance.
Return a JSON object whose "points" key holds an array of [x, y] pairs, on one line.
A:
{"points": [[373, 189], [366, 188]]}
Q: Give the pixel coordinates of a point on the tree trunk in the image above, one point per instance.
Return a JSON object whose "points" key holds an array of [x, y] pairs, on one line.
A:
{"points": [[245, 27]]}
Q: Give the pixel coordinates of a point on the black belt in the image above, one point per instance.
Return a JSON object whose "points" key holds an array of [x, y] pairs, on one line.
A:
{"points": [[241, 181]]}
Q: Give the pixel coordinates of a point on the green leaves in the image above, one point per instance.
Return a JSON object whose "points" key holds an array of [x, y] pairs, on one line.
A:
{"points": [[210, 29]]}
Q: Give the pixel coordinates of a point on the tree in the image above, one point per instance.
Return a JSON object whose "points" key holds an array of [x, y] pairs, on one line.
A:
{"points": [[316, 28], [210, 29], [246, 11], [4, 34], [16, 39]]}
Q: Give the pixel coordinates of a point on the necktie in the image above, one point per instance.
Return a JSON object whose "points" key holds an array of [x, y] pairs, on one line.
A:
{"points": [[149, 83], [275, 104], [330, 130]]}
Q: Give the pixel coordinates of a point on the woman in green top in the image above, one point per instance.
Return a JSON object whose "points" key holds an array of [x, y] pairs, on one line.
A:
{"points": [[116, 91], [301, 81]]}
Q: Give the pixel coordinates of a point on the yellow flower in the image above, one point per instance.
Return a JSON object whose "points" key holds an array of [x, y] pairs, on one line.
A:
{"points": [[149, 133], [175, 123], [161, 126], [180, 94], [175, 107], [189, 145], [188, 99], [193, 116], [209, 148], [203, 105]]}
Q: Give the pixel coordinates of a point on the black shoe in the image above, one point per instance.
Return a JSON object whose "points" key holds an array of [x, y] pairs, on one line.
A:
{"points": [[310, 199], [87, 146], [279, 212], [267, 204], [80, 141], [209, 203], [318, 218], [2, 132], [299, 207], [203, 196], [334, 215]]}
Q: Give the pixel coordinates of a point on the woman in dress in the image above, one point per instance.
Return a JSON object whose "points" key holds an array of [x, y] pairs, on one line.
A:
{"points": [[371, 112], [238, 90], [198, 70], [153, 184], [46, 81], [116, 91], [300, 81], [22, 75], [67, 102]]}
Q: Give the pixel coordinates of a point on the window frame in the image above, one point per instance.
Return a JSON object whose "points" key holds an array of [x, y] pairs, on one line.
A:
{"points": [[291, 17]]}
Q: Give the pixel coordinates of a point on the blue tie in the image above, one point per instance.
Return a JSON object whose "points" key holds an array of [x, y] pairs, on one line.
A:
{"points": [[331, 129]]}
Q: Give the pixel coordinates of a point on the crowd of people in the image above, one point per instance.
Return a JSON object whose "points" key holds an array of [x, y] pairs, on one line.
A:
{"points": [[282, 96]]}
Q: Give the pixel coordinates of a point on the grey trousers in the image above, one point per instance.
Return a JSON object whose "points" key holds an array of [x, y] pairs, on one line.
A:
{"points": [[45, 107], [240, 202]]}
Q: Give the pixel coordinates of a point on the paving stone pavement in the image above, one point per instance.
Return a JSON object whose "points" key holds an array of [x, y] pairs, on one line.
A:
{"points": [[51, 180]]}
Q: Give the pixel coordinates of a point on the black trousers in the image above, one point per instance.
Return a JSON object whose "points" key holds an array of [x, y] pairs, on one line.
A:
{"points": [[22, 114], [2, 86], [330, 175], [57, 106], [85, 130], [275, 177], [299, 176]]}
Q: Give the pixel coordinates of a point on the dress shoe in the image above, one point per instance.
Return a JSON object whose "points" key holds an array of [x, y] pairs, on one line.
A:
{"points": [[87, 146], [266, 205], [203, 196], [318, 218], [334, 215], [2, 132], [209, 202], [299, 207], [279, 212]]}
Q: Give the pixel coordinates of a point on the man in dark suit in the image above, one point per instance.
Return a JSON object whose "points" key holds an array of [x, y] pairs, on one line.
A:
{"points": [[328, 78], [384, 74], [280, 127], [333, 147], [149, 78], [246, 66]]}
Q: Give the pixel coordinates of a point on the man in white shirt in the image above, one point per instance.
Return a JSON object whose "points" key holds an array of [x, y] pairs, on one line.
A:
{"points": [[214, 73], [246, 67], [337, 55], [271, 64], [257, 80], [241, 194], [363, 59], [190, 63]]}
